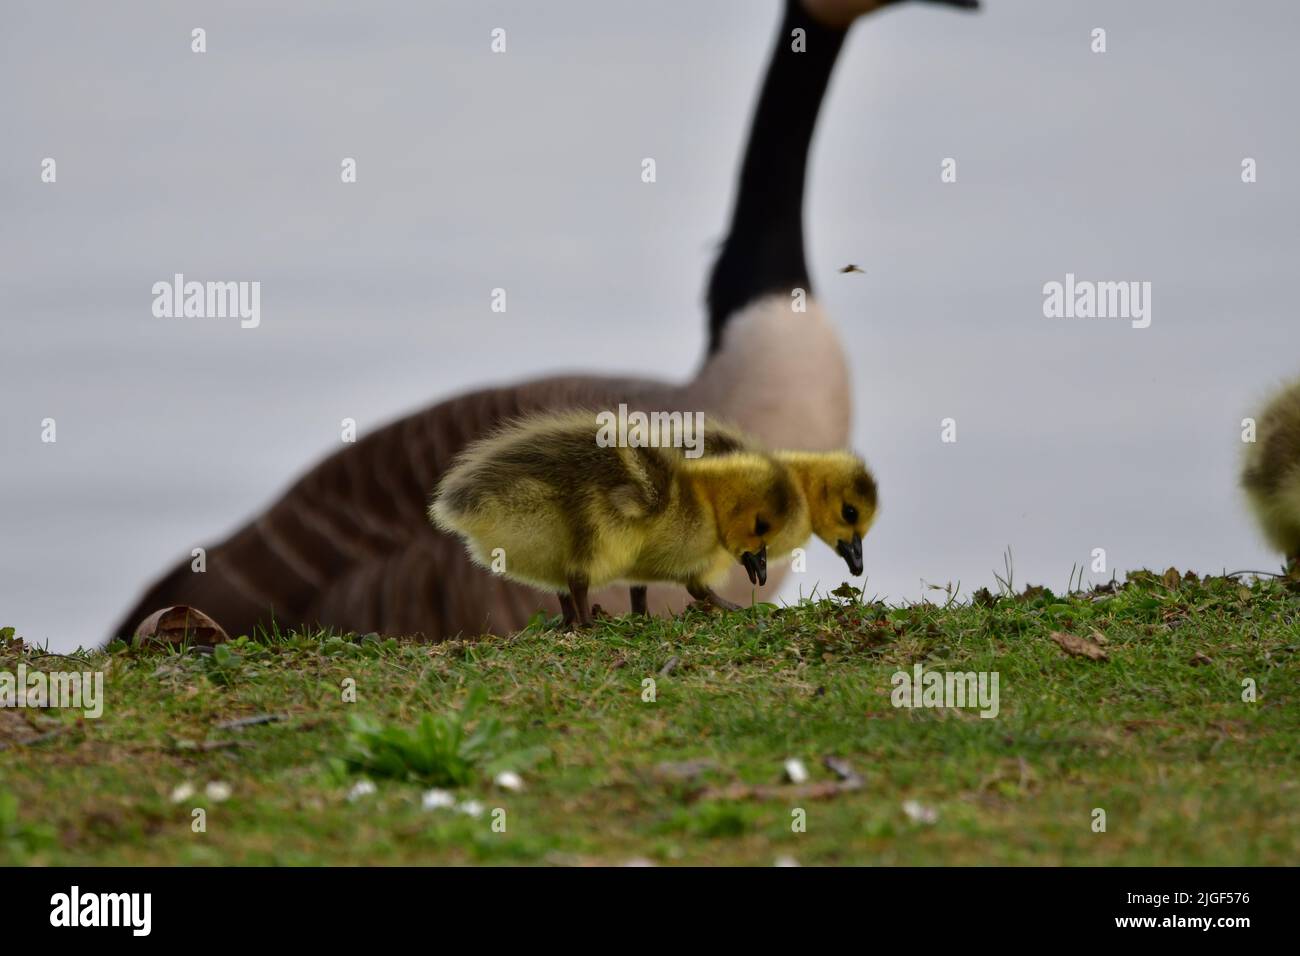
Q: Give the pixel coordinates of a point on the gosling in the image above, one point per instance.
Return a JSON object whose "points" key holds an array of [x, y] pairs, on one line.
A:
{"points": [[839, 492], [542, 503], [1271, 473], [841, 501]]}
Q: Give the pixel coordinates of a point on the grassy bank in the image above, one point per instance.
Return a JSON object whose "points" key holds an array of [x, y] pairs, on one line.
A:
{"points": [[1157, 735]]}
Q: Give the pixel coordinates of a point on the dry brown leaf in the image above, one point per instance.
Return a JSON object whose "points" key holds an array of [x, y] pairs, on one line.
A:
{"points": [[172, 625], [1079, 646]]}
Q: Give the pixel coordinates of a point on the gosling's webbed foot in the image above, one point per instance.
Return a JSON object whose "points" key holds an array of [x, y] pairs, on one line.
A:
{"points": [[709, 596], [722, 604]]}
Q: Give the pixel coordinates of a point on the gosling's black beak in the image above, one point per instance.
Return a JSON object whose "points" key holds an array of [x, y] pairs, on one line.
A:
{"points": [[851, 552], [756, 565]]}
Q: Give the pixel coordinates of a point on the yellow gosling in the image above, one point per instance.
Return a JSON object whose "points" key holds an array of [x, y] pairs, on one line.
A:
{"points": [[1271, 472], [540, 502]]}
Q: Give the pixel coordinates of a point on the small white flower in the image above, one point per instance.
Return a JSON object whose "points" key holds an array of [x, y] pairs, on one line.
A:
{"points": [[795, 771], [509, 780], [471, 808], [183, 792], [437, 800], [786, 861], [362, 788], [217, 791], [637, 861], [919, 812]]}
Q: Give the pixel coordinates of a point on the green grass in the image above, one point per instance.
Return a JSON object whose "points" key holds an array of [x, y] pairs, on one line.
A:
{"points": [[1158, 736]]}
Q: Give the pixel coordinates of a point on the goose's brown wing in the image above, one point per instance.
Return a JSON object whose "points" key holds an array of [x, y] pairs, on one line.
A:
{"points": [[350, 545]]}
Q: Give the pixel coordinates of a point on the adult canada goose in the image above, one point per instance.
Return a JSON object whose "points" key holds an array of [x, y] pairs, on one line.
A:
{"points": [[349, 545], [1271, 473], [542, 502]]}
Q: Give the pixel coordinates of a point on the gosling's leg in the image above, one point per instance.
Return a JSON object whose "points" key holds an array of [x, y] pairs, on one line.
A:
{"points": [[578, 590], [639, 600], [566, 606], [704, 593]]}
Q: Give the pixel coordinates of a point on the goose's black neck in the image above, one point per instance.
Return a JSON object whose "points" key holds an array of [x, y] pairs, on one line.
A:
{"points": [[763, 251]]}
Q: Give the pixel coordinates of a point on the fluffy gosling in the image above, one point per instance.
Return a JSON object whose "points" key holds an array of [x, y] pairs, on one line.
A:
{"points": [[542, 503], [1271, 472], [840, 497], [842, 500]]}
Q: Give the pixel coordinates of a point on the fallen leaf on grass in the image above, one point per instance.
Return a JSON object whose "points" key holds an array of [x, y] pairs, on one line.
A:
{"points": [[1198, 658], [1079, 646], [174, 625]]}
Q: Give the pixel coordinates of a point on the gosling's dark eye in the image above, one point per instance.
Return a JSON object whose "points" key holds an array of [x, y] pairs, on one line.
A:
{"points": [[761, 527], [850, 514]]}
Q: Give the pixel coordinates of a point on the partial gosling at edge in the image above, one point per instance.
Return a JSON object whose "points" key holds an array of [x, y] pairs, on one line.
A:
{"points": [[1270, 474]]}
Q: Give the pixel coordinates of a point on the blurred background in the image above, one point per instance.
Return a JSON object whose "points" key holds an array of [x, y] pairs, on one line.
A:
{"points": [[522, 171]]}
